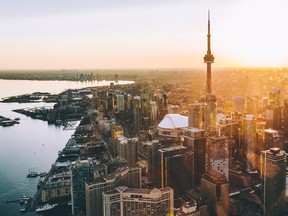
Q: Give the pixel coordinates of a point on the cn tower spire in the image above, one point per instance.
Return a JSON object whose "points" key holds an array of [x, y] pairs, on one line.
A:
{"points": [[209, 58]]}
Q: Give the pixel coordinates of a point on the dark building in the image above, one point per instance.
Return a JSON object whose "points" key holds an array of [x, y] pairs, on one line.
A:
{"points": [[152, 157], [81, 172], [194, 140], [273, 179], [178, 160]]}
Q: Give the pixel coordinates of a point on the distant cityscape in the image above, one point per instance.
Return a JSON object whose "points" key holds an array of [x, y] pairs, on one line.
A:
{"points": [[183, 145]]}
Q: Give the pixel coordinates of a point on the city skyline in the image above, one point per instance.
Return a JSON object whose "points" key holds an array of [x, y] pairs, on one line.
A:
{"points": [[158, 34]]}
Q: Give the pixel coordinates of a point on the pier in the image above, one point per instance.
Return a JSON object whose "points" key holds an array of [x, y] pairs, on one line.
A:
{"points": [[5, 122]]}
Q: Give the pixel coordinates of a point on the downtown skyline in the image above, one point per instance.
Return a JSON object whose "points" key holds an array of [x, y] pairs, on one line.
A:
{"points": [[141, 34]]}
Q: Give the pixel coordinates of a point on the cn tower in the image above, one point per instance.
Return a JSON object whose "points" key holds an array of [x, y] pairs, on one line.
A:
{"points": [[208, 59]]}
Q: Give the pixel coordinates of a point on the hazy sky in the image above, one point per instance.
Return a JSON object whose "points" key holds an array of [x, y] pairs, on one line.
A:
{"points": [[71, 34]]}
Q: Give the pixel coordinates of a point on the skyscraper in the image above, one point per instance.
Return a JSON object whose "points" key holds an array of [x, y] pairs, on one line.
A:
{"points": [[152, 156], [176, 160], [81, 172], [195, 115], [273, 178]]}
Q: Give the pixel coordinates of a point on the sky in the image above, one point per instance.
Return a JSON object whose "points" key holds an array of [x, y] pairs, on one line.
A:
{"points": [[103, 34]]}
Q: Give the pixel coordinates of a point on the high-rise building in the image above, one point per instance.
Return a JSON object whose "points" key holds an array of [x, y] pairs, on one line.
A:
{"points": [[215, 187], [120, 102], [130, 177], [142, 202], [195, 116], [249, 132], [153, 113], [273, 179], [194, 140], [127, 148], [81, 172], [238, 104], [116, 132], [152, 157], [176, 160], [137, 112], [217, 155], [273, 117]]}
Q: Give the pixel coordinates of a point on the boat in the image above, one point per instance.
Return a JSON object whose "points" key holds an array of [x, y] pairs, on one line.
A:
{"points": [[42, 174], [32, 174], [22, 210], [24, 199], [46, 207]]}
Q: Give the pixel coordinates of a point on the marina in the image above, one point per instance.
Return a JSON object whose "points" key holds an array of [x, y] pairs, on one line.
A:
{"points": [[6, 122]]}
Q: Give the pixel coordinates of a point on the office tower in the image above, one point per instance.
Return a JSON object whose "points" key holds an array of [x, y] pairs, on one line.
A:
{"points": [[127, 148], [238, 104], [110, 102], [273, 139], [130, 177], [141, 202], [137, 112], [128, 102], [152, 157], [120, 102], [249, 130], [215, 187], [217, 155], [194, 140], [81, 172], [285, 115], [273, 179], [273, 117], [116, 132], [178, 160], [195, 117], [153, 113]]}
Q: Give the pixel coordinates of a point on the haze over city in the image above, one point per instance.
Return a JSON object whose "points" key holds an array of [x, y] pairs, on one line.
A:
{"points": [[71, 34]]}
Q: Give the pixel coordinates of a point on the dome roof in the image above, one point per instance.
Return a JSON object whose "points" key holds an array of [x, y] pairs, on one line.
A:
{"points": [[172, 121]]}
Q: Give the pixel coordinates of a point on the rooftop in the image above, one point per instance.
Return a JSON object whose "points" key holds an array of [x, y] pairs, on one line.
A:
{"points": [[172, 121]]}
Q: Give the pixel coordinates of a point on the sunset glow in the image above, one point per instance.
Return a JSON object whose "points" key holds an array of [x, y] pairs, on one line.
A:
{"points": [[158, 34]]}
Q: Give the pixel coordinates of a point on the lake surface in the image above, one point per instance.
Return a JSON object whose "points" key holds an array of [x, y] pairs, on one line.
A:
{"points": [[30, 145]]}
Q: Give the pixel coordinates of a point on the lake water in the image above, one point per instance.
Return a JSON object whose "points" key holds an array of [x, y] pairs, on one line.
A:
{"points": [[30, 145]]}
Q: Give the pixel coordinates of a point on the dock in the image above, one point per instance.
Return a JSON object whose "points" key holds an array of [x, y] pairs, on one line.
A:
{"points": [[5, 122]]}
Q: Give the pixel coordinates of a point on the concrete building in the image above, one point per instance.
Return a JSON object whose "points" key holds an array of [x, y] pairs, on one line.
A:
{"points": [[273, 179], [194, 140], [249, 132], [152, 157], [188, 209], [238, 103], [81, 172], [137, 112], [141, 202], [116, 132], [130, 177], [217, 155], [127, 148], [153, 113], [178, 160], [56, 187], [120, 102], [195, 115], [215, 187]]}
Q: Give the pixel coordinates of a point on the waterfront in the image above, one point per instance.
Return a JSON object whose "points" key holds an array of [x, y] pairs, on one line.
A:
{"points": [[30, 145]]}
